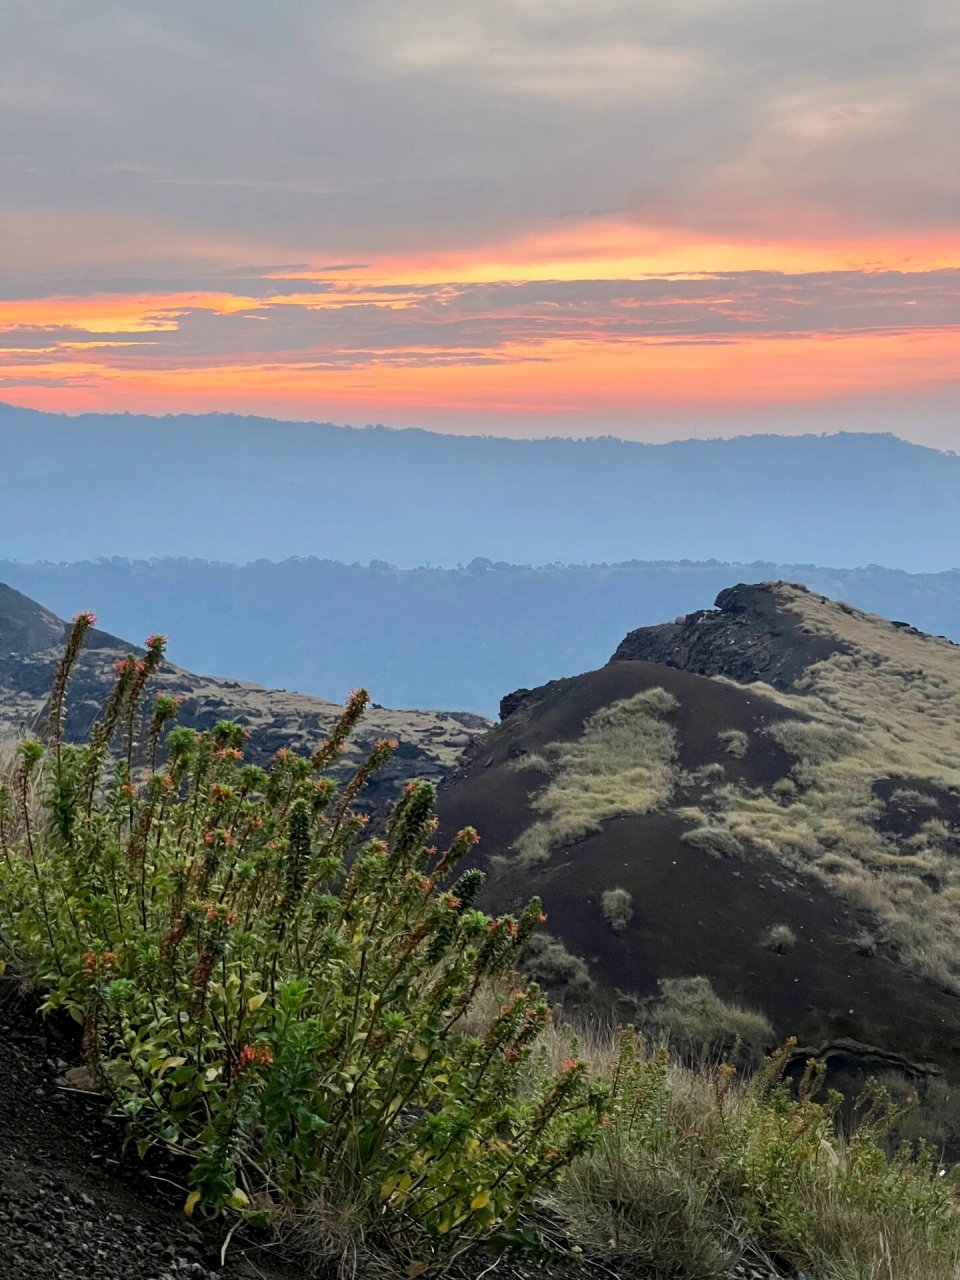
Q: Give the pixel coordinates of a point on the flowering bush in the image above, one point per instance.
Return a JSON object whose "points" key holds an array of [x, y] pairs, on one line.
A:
{"points": [[270, 993]]}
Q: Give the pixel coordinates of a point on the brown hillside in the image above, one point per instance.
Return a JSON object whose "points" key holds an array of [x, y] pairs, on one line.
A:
{"points": [[822, 804], [31, 640]]}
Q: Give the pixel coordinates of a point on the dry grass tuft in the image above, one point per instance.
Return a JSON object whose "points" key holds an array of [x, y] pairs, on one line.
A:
{"points": [[779, 938], [700, 1170], [703, 1028], [549, 962], [617, 907], [734, 742], [714, 839]]}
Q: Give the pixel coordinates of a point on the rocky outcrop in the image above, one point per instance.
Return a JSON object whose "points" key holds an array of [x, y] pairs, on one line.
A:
{"points": [[749, 636]]}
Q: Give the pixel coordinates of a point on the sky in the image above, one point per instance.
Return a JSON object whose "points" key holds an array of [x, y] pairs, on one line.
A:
{"points": [[649, 218]]}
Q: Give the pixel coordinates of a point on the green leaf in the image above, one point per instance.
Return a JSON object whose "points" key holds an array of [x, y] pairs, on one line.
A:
{"points": [[170, 1062]]}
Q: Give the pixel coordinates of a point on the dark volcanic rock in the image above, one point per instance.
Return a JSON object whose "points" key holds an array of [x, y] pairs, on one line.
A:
{"points": [[512, 702], [748, 637]]}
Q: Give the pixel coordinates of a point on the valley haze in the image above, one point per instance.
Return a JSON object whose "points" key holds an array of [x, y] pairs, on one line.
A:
{"points": [[232, 488], [430, 637]]}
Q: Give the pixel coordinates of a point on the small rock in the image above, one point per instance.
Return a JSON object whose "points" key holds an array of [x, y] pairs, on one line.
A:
{"points": [[81, 1078]]}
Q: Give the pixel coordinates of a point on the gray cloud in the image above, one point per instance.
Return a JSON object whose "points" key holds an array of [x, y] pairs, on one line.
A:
{"points": [[343, 128]]}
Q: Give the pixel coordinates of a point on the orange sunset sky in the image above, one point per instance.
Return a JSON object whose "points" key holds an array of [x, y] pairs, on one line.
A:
{"points": [[531, 217]]}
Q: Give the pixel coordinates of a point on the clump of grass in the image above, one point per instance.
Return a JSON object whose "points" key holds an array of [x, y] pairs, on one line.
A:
{"points": [[779, 938], [864, 943], [734, 742], [617, 908], [622, 763], [548, 961], [910, 798], [701, 1026], [936, 832], [928, 1110], [812, 742], [714, 839], [696, 1172], [702, 776], [528, 760]]}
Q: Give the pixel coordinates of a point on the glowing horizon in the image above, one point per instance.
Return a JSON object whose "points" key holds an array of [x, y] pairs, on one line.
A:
{"points": [[766, 269]]}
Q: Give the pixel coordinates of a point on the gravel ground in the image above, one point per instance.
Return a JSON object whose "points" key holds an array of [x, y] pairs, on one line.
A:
{"points": [[73, 1206]]}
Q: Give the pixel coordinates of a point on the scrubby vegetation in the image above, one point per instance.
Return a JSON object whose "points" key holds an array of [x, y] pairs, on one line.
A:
{"points": [[271, 995], [885, 705], [548, 961], [622, 763], [779, 938], [330, 1035], [714, 839], [695, 1170], [734, 742]]}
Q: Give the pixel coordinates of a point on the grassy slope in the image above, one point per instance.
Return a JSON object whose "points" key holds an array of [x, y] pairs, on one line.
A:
{"points": [[885, 706], [833, 812]]}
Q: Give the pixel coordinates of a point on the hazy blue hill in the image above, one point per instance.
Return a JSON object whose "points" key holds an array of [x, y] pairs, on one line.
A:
{"points": [[430, 637], [235, 488]]}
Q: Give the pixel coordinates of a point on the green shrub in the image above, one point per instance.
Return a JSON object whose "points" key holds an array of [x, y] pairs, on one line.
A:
{"points": [[268, 993]]}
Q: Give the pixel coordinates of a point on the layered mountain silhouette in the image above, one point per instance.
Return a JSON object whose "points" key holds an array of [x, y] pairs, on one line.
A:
{"points": [[431, 637], [287, 488], [31, 642], [765, 795]]}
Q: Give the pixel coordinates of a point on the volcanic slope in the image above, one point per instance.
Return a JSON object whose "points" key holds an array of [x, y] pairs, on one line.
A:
{"points": [[774, 788], [31, 642]]}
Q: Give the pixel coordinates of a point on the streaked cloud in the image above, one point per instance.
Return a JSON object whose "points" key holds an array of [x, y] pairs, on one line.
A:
{"points": [[337, 322]]}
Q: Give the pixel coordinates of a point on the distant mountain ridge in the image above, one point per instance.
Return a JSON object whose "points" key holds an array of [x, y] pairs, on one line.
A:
{"points": [[238, 488], [431, 637], [31, 642]]}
